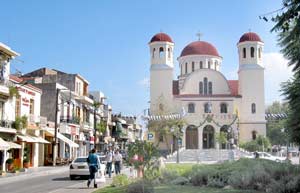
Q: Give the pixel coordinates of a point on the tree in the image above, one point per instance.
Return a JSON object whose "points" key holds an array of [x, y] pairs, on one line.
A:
{"points": [[287, 24], [274, 127]]}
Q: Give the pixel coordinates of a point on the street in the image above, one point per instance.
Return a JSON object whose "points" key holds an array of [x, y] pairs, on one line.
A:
{"points": [[54, 183]]}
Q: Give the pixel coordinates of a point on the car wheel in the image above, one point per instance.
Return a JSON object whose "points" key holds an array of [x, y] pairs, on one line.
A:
{"points": [[72, 177]]}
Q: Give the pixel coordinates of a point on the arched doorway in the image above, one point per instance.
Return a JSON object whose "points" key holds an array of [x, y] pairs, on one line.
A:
{"points": [[191, 137], [208, 137], [224, 129]]}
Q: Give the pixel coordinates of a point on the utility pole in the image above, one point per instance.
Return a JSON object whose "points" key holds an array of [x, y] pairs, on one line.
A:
{"points": [[95, 126], [54, 149]]}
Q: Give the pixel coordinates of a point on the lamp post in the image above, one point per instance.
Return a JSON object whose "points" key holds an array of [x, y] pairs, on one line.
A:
{"points": [[177, 135], [54, 145]]}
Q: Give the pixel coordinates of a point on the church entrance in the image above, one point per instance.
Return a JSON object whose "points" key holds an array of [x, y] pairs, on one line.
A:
{"points": [[191, 137], [208, 137]]}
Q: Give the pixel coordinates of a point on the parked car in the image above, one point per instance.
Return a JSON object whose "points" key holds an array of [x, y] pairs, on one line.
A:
{"points": [[79, 167], [264, 155]]}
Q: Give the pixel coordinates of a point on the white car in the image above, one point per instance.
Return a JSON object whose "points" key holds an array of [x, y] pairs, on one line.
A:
{"points": [[264, 155], [79, 167]]}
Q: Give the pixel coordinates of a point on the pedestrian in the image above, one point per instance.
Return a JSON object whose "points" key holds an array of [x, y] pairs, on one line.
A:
{"points": [[93, 167], [118, 162], [109, 160]]}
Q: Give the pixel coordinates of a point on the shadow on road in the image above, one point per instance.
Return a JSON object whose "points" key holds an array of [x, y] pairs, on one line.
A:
{"points": [[61, 179]]}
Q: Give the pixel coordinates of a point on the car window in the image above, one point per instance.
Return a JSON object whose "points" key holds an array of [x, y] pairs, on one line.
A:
{"points": [[80, 160]]}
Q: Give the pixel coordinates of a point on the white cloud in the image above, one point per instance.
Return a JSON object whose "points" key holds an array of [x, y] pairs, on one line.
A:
{"points": [[276, 72], [144, 82]]}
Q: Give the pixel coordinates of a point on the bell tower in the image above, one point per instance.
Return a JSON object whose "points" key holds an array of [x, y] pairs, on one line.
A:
{"points": [[161, 71]]}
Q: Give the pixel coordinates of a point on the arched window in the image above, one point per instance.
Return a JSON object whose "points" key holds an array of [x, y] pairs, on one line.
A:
{"points": [[161, 52], [193, 66], [216, 63], [244, 52], [186, 68], [201, 64], [205, 85], [252, 52], [207, 108], [259, 52], [153, 53], [253, 108], [191, 108], [161, 107], [208, 64], [254, 135], [200, 87], [223, 108], [210, 88], [169, 52]]}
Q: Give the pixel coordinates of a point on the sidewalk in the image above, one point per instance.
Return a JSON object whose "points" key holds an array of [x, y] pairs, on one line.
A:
{"points": [[32, 172]]}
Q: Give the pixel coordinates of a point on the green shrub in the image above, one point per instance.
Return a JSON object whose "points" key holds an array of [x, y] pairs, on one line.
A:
{"points": [[180, 181], [120, 180], [140, 186], [168, 176], [201, 176], [216, 182]]}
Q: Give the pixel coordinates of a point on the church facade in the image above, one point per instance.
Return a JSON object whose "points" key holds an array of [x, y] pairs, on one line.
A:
{"points": [[213, 104]]}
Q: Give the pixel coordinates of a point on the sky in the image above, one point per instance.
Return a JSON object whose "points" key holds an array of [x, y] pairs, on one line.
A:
{"points": [[106, 41]]}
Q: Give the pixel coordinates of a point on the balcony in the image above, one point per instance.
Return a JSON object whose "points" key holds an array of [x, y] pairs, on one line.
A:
{"points": [[4, 90], [72, 120], [85, 100]]}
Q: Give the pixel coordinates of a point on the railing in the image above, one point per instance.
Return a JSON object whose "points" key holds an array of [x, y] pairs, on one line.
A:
{"points": [[73, 120], [6, 124]]}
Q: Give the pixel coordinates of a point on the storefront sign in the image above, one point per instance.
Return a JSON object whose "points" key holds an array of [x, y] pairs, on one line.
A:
{"points": [[26, 91]]}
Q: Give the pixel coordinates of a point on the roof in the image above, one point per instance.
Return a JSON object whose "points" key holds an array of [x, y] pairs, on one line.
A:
{"points": [[205, 96], [250, 36], [200, 48], [161, 37], [19, 81], [7, 50], [234, 87]]}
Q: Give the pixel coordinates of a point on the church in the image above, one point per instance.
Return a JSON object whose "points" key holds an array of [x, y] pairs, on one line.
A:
{"points": [[212, 103]]}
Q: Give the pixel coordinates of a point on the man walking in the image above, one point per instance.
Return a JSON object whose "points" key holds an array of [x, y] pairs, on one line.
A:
{"points": [[118, 162], [93, 167], [109, 159]]}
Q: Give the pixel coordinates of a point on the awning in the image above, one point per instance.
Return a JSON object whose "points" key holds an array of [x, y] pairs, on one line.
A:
{"points": [[3, 144], [63, 138], [32, 139], [7, 130], [13, 145], [26, 138], [40, 140]]}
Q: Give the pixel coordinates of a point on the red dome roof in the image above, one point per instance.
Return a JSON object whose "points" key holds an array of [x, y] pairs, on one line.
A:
{"points": [[200, 48], [250, 36], [161, 37]]}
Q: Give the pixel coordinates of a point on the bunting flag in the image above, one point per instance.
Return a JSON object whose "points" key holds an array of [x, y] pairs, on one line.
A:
{"points": [[278, 116]]}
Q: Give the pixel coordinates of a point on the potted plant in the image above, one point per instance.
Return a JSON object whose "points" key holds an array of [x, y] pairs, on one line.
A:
{"points": [[26, 162], [10, 164]]}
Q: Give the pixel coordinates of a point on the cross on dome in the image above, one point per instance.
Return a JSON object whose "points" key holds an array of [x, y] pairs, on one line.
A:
{"points": [[199, 35]]}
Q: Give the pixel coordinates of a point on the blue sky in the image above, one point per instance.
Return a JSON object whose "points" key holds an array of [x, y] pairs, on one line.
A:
{"points": [[106, 40]]}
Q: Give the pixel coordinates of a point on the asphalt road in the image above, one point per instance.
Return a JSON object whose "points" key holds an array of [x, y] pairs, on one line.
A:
{"points": [[59, 182]]}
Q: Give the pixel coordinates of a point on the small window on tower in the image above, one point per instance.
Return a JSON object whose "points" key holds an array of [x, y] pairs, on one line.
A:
{"points": [[193, 66], [191, 108], [200, 87], [216, 63], [259, 52], [253, 108], [153, 53], [208, 64], [169, 52], [223, 108], [210, 88], [201, 64], [252, 52], [161, 52], [244, 52], [186, 68], [254, 135]]}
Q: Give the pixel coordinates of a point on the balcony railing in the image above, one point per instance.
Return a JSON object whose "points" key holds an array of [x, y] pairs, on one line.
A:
{"points": [[6, 124], [73, 120]]}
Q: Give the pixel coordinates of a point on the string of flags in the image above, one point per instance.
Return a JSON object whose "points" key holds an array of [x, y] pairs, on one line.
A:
{"points": [[276, 116]]}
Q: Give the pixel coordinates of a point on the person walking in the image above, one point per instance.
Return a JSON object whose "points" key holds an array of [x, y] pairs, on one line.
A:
{"points": [[118, 162], [109, 160], [93, 167]]}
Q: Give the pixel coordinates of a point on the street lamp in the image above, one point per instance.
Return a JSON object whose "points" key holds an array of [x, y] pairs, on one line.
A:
{"points": [[177, 135]]}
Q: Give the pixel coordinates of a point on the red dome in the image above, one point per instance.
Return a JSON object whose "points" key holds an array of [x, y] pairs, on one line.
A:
{"points": [[200, 48], [250, 36], [161, 37]]}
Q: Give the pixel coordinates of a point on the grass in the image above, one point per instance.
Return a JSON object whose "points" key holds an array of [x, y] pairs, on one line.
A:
{"points": [[178, 189], [181, 169]]}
